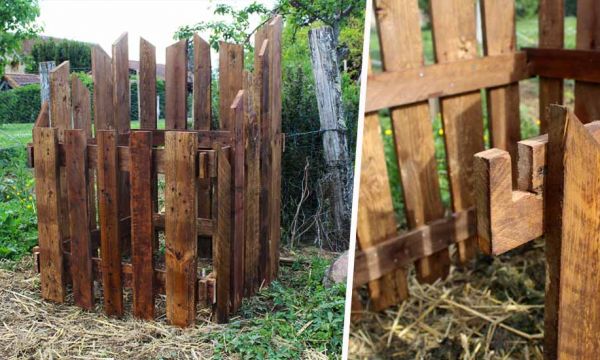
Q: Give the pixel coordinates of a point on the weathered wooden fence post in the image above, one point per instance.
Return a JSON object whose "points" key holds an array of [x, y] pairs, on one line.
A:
{"points": [[44, 69]]}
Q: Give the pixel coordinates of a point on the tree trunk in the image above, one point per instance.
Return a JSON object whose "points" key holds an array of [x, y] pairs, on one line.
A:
{"points": [[326, 71]]}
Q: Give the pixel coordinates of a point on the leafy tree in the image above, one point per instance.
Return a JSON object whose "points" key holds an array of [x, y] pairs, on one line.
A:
{"points": [[17, 23], [78, 53]]}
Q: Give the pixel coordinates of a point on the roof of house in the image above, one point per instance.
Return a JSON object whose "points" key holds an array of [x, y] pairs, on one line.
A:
{"points": [[18, 80]]}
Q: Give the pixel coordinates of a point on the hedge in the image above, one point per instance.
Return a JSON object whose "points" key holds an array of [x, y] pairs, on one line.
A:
{"points": [[20, 105]]}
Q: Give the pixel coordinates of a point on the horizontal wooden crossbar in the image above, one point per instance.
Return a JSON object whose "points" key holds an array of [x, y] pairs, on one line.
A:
{"points": [[397, 88], [402, 250], [205, 289], [583, 65]]}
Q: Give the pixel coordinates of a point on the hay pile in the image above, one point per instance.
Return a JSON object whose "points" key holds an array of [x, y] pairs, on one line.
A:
{"points": [[490, 309]]}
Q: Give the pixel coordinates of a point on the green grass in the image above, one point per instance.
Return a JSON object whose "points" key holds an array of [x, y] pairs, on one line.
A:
{"points": [[15, 135]]}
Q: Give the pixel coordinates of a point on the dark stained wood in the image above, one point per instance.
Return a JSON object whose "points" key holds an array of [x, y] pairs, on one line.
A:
{"points": [[587, 107], [551, 35], [103, 89], [564, 64], [388, 89], [176, 86], [454, 28], [180, 226], [47, 179], [239, 209], [502, 102], [120, 71], [142, 230], [81, 246], [231, 66], [401, 250], [202, 84], [222, 242], [147, 85], [110, 241]]}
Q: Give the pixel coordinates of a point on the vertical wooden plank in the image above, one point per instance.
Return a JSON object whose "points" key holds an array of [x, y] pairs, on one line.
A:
{"points": [[47, 190], [376, 220], [275, 30], [60, 118], [579, 314], [551, 34], [264, 108], [110, 242], [82, 119], [81, 246], [587, 107], [180, 226], [553, 203], [252, 190], [103, 89], [231, 66], [401, 46], [120, 71], [502, 102], [142, 229], [237, 116], [176, 86], [454, 28], [222, 239], [202, 84], [147, 85]]}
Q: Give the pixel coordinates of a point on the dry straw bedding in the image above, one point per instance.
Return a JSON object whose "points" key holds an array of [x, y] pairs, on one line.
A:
{"points": [[490, 309]]}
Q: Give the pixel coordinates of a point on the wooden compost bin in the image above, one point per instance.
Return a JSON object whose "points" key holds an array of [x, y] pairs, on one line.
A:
{"points": [[406, 87], [103, 212]]}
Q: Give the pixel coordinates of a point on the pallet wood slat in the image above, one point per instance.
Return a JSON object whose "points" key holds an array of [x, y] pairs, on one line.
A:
{"points": [[120, 72], [147, 85], [222, 243], [103, 90], [81, 246], [564, 64], [388, 89], [180, 227], [462, 116], [551, 35], [202, 84], [142, 229], [176, 86], [400, 251], [239, 206], [50, 233], [110, 240], [231, 67]]}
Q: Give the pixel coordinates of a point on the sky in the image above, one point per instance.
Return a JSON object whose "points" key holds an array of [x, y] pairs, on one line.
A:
{"points": [[102, 22]]}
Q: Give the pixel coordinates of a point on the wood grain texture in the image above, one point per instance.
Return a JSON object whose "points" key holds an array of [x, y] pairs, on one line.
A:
{"points": [[202, 84], [231, 66], [103, 89], [401, 250], [579, 317], [252, 186], [564, 64], [401, 47], [120, 72], [502, 102], [222, 242], [181, 236], [81, 246], [551, 35], [239, 206], [454, 29], [110, 239], [50, 235], [142, 227], [43, 118], [388, 89], [176, 86], [147, 85], [587, 107]]}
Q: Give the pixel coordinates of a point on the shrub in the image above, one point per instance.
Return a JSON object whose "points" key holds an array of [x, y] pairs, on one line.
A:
{"points": [[20, 105], [78, 53]]}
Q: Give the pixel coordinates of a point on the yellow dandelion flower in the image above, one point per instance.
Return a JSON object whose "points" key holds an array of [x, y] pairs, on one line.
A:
{"points": [[29, 206], [537, 121], [388, 132], [30, 197], [485, 137], [441, 131]]}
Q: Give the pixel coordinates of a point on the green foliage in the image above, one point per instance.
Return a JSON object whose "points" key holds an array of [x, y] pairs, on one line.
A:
{"points": [[18, 221], [334, 13], [78, 53], [526, 8], [295, 314], [17, 23], [20, 105]]}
